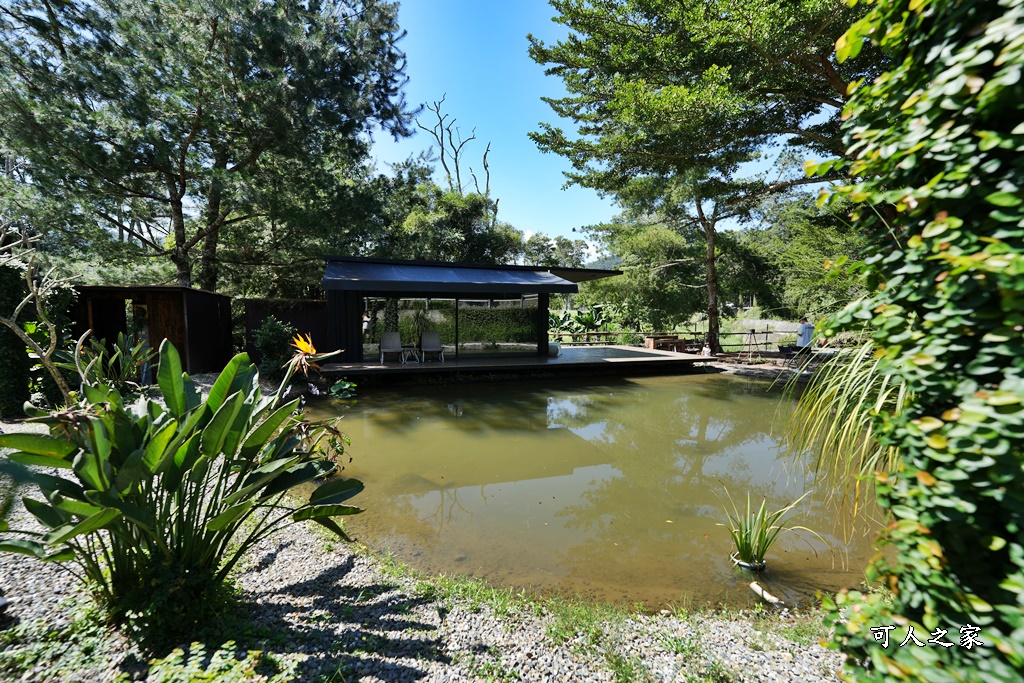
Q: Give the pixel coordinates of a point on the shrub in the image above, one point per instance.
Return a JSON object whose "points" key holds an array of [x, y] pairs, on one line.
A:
{"points": [[119, 367], [939, 141], [271, 341], [172, 495]]}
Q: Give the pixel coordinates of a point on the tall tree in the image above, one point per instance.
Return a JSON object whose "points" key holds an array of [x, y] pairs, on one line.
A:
{"points": [[161, 120], [661, 86]]}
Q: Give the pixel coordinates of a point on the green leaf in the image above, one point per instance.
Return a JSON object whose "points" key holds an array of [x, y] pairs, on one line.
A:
{"points": [[217, 432], [333, 526], [156, 449], [261, 476], [229, 516], [87, 526], [169, 378], [92, 465], [320, 511], [23, 546], [1003, 199], [259, 436], [335, 491], [306, 472], [236, 376], [38, 444], [50, 516], [41, 460]]}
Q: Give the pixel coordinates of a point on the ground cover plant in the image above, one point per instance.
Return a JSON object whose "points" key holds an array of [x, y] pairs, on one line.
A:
{"points": [[939, 141], [172, 493]]}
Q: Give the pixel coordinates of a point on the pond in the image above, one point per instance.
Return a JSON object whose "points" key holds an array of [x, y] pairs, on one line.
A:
{"points": [[611, 490]]}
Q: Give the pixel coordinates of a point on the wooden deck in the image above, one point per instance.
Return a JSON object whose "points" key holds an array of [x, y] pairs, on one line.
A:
{"points": [[622, 360]]}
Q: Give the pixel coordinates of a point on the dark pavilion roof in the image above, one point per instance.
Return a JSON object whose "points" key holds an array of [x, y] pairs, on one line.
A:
{"points": [[434, 278]]}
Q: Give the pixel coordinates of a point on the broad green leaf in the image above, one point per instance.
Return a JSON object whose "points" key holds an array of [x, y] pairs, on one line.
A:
{"points": [[320, 511], [77, 507], [169, 378], [198, 472], [23, 546], [42, 460], [176, 463], [140, 516], [333, 526], [158, 445], [215, 433], [229, 516], [259, 436], [87, 526], [38, 444], [260, 476], [335, 491], [61, 555], [236, 376], [92, 465], [131, 473], [50, 516], [306, 472]]}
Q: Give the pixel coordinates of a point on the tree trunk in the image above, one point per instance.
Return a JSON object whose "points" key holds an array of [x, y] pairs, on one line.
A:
{"points": [[208, 271], [713, 341], [179, 257]]}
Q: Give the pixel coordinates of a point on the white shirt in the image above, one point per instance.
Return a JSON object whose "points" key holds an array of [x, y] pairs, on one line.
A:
{"points": [[803, 334]]}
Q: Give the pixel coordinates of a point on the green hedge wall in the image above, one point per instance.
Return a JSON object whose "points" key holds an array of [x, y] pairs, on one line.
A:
{"points": [[475, 325], [14, 360]]}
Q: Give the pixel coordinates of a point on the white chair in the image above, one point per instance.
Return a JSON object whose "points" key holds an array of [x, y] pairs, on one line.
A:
{"points": [[430, 342], [391, 342]]}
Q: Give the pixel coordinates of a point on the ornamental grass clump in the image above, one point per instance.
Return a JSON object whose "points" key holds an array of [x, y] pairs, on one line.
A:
{"points": [[754, 532], [159, 500]]}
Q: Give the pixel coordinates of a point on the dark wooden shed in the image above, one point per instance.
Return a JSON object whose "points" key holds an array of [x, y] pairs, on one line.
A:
{"points": [[197, 322]]}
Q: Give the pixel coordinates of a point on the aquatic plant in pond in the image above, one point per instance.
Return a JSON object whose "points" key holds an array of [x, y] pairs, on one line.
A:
{"points": [[754, 532]]}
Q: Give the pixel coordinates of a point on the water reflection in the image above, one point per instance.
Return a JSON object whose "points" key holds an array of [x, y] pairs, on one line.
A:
{"points": [[607, 489]]}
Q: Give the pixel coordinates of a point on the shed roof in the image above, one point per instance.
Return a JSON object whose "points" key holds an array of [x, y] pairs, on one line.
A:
{"points": [[436, 278]]}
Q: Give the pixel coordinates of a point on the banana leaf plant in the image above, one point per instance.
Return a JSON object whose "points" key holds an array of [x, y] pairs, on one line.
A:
{"points": [[184, 484]]}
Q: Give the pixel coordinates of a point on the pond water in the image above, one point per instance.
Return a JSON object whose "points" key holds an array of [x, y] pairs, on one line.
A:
{"points": [[611, 489]]}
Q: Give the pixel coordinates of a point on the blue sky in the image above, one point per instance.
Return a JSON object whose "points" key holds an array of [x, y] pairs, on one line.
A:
{"points": [[474, 52]]}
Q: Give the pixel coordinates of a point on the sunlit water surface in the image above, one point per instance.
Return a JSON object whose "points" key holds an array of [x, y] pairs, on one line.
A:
{"points": [[611, 490]]}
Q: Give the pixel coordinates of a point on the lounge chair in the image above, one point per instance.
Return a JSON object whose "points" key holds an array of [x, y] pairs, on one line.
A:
{"points": [[391, 342], [430, 342]]}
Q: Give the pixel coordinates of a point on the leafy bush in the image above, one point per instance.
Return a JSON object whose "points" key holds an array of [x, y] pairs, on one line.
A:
{"points": [[173, 494], [119, 367], [940, 143], [271, 340]]}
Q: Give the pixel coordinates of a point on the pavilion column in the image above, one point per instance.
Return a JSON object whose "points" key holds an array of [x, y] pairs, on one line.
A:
{"points": [[543, 303]]}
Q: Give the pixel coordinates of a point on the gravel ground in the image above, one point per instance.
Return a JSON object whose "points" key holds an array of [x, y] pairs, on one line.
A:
{"points": [[340, 615]]}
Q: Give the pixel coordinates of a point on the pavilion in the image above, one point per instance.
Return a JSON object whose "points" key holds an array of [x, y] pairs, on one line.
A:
{"points": [[351, 282]]}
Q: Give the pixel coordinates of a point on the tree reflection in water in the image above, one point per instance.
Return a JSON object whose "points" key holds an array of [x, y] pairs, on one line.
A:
{"points": [[610, 488]]}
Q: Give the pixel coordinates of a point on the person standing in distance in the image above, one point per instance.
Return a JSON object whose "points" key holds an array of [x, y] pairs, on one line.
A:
{"points": [[803, 335]]}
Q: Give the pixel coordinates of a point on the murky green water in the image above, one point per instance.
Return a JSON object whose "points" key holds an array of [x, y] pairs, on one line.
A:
{"points": [[601, 489]]}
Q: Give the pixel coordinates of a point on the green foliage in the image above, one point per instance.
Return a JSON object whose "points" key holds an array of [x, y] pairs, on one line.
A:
{"points": [[271, 340], [173, 124], [223, 666], [939, 141], [660, 86], [834, 415], [812, 251], [505, 324], [343, 389], [118, 367], [14, 360], [172, 493], [755, 532]]}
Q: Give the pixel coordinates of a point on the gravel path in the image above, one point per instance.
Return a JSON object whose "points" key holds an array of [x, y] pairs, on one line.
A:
{"points": [[340, 615]]}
